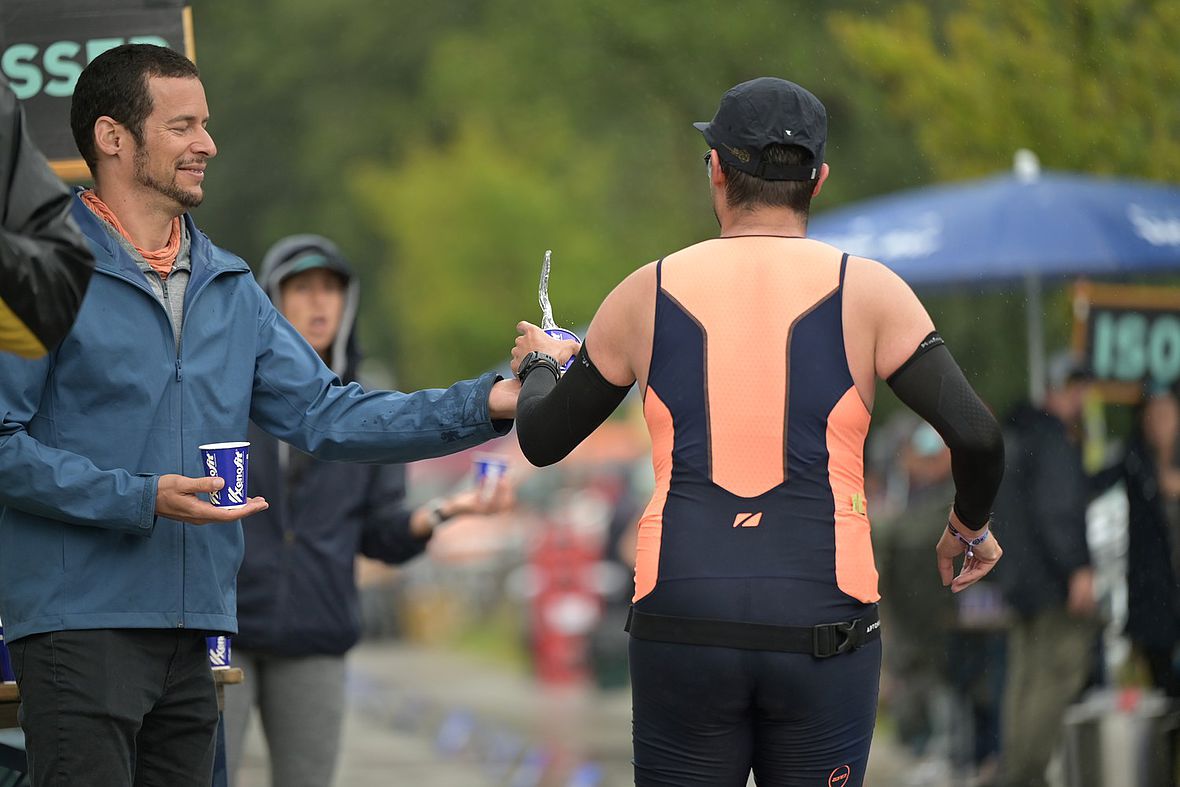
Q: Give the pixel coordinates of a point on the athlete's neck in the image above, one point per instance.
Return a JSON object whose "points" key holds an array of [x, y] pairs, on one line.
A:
{"points": [[763, 221]]}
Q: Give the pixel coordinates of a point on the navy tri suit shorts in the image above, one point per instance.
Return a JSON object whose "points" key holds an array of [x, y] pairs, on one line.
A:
{"points": [[705, 716]]}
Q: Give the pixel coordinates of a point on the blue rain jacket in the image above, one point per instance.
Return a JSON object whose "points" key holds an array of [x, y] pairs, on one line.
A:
{"points": [[86, 432]]}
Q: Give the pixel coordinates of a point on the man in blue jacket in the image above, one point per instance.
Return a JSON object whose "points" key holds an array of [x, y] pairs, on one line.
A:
{"points": [[298, 610], [107, 587]]}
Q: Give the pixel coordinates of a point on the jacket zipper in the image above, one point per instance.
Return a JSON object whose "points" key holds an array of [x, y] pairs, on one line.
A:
{"points": [[161, 302], [190, 295], [166, 299]]}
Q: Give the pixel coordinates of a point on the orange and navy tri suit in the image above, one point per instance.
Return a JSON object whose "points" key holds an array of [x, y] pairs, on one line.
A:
{"points": [[758, 516]]}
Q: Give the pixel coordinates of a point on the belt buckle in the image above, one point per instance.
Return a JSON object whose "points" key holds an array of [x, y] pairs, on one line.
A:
{"points": [[831, 639]]}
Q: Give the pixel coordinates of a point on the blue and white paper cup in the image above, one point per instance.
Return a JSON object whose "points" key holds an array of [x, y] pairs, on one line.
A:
{"points": [[488, 469], [564, 335], [6, 673], [218, 652], [230, 461]]}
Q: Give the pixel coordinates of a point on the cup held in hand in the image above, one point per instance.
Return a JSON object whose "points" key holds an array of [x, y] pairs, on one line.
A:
{"points": [[563, 335], [231, 463], [489, 469]]}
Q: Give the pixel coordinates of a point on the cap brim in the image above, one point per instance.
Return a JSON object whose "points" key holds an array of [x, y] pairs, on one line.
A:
{"points": [[702, 127], [315, 261]]}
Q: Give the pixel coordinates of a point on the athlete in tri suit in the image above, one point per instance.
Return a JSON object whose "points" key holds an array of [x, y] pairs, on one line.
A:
{"points": [[754, 630]]}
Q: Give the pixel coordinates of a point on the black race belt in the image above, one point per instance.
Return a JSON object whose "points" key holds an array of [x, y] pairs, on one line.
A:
{"points": [[822, 641]]}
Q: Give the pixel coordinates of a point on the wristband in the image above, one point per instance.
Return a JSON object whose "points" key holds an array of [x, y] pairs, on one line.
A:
{"points": [[970, 543]]}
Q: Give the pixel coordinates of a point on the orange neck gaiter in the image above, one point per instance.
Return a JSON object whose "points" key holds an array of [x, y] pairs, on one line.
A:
{"points": [[161, 260]]}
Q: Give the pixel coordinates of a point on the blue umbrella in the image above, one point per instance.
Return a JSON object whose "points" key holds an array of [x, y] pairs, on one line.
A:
{"points": [[1012, 227]]}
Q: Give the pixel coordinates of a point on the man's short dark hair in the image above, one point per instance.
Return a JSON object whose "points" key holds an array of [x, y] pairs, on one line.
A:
{"points": [[116, 84], [744, 191]]}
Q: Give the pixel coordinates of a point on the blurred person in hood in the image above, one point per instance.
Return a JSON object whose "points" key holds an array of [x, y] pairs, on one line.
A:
{"points": [[298, 609]]}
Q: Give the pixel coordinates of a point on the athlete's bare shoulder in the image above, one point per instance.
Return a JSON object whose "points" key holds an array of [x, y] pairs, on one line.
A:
{"points": [[620, 335], [885, 314]]}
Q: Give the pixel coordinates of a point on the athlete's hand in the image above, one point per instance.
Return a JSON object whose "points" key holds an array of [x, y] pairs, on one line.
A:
{"points": [[176, 498], [533, 338], [975, 568]]}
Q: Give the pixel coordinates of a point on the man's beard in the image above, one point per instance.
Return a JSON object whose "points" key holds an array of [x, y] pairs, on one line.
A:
{"points": [[186, 199]]}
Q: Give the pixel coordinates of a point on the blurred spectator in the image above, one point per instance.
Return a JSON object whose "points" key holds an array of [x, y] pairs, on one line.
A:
{"points": [[917, 623], [1048, 578], [608, 642], [298, 611], [1153, 495]]}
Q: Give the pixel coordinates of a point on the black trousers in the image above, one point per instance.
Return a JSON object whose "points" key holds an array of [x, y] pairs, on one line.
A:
{"points": [[117, 708]]}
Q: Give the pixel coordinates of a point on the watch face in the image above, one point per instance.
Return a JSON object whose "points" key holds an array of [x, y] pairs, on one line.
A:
{"points": [[525, 363]]}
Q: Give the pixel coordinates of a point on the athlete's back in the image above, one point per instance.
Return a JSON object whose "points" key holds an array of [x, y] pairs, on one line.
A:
{"points": [[758, 434]]}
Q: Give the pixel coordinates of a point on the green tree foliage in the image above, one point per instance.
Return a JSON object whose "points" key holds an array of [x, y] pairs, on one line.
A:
{"points": [[475, 220], [301, 93], [1089, 85]]}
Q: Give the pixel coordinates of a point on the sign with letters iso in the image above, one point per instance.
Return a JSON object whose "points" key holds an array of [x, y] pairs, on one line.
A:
{"points": [[45, 44], [1129, 335]]}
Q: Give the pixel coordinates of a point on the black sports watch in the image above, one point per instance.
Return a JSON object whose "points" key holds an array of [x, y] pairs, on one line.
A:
{"points": [[534, 359]]}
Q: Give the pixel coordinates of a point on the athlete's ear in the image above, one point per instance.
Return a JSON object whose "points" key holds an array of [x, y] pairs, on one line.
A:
{"points": [[716, 175], [823, 175]]}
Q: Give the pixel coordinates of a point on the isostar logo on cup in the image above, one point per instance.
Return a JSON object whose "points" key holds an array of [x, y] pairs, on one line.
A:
{"points": [[219, 648], [229, 461]]}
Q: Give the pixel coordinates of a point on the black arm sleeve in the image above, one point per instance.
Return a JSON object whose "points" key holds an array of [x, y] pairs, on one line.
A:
{"points": [[932, 385], [553, 416]]}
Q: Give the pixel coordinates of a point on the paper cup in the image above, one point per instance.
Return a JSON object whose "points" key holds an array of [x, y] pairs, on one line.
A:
{"points": [[219, 648], [230, 461], [488, 469], [564, 335]]}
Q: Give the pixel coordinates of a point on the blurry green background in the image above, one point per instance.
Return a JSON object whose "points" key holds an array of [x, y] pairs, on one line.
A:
{"points": [[446, 145]]}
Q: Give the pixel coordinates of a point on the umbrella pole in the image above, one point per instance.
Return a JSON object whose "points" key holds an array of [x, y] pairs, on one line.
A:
{"points": [[1034, 315]]}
